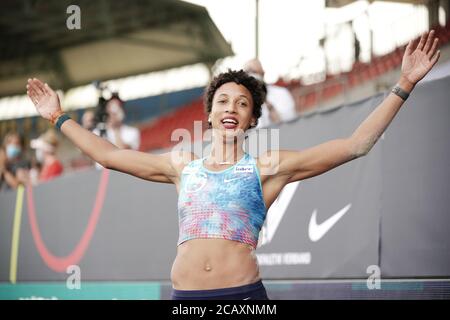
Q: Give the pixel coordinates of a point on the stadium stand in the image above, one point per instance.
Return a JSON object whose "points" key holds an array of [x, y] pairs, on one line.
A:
{"points": [[156, 135]]}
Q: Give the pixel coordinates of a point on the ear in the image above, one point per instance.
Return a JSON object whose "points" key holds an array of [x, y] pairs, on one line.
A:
{"points": [[209, 121]]}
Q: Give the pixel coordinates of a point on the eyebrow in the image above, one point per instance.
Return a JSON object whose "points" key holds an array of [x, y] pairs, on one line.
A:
{"points": [[241, 96]]}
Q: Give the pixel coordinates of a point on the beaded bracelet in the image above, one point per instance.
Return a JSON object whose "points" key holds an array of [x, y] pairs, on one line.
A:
{"points": [[55, 116]]}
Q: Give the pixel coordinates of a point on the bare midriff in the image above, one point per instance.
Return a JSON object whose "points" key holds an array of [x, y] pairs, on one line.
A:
{"points": [[203, 264]]}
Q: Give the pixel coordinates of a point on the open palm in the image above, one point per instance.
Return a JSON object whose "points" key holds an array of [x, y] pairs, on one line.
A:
{"points": [[44, 98], [418, 62]]}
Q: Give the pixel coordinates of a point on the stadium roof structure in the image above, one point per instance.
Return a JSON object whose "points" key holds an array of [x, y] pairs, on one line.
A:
{"points": [[116, 39]]}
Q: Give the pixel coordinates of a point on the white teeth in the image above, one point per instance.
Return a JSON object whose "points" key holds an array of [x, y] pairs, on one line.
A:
{"points": [[229, 121]]}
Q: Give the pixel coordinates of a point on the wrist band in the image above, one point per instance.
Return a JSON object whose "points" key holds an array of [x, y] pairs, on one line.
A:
{"points": [[400, 92], [61, 120], [54, 117]]}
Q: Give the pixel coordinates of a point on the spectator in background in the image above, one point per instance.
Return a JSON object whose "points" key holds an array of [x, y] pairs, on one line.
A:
{"points": [[35, 171], [13, 165], [82, 160], [88, 120], [46, 146], [119, 134], [279, 105]]}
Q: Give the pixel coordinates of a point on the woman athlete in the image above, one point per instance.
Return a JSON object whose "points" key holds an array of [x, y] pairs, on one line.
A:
{"points": [[223, 198]]}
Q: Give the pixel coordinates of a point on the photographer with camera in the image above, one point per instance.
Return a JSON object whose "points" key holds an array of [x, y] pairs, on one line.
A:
{"points": [[106, 121], [121, 135], [114, 130]]}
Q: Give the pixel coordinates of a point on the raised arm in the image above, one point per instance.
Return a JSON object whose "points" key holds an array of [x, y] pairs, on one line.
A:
{"points": [[158, 168], [298, 165]]}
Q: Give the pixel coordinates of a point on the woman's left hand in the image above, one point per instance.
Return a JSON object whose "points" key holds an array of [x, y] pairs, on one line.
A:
{"points": [[417, 62]]}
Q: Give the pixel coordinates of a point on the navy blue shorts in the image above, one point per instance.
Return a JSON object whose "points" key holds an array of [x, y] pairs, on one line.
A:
{"points": [[253, 291]]}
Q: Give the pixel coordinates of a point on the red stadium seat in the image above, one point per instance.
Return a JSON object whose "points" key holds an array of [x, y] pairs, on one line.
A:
{"points": [[157, 134]]}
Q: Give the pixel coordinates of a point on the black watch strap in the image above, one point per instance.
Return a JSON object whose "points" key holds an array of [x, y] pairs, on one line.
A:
{"points": [[400, 92]]}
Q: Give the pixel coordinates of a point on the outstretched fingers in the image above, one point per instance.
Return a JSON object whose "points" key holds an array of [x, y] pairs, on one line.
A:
{"points": [[47, 89], [32, 94], [34, 91], [44, 88], [435, 58], [433, 48], [33, 88], [38, 86], [422, 41], [430, 38], [410, 47]]}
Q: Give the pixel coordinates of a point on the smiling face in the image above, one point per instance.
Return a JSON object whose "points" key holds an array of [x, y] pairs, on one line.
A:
{"points": [[232, 109]]}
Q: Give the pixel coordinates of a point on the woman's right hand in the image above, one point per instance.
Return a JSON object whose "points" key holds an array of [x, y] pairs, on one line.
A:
{"points": [[44, 99]]}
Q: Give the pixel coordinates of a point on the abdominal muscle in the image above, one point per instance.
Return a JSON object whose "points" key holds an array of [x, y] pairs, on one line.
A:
{"points": [[203, 264]]}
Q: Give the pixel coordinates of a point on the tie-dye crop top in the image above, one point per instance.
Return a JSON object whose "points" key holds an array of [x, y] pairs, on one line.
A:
{"points": [[225, 204]]}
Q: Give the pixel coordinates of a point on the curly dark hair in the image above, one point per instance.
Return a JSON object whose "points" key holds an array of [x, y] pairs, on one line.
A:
{"points": [[255, 87]]}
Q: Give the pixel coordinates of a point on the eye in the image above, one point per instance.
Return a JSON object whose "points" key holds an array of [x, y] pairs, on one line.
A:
{"points": [[243, 103], [222, 101]]}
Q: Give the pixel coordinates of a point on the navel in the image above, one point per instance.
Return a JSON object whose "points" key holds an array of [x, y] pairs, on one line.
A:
{"points": [[208, 267]]}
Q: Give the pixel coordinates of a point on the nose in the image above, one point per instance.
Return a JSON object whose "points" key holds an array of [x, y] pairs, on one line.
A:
{"points": [[231, 108]]}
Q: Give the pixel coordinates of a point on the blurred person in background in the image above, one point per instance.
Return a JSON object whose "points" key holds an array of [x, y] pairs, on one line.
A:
{"points": [[118, 133], [88, 120], [224, 196], [46, 146], [279, 105], [13, 164], [35, 171], [81, 160]]}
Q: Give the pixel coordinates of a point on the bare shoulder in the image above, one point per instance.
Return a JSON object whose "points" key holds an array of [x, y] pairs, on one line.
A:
{"points": [[270, 159], [179, 159], [268, 164], [272, 164]]}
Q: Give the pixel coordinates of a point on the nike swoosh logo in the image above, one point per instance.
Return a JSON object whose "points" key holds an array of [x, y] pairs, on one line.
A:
{"points": [[248, 298], [317, 231]]}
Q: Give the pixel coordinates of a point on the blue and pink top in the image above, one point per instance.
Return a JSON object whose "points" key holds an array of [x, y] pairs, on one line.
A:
{"points": [[225, 204]]}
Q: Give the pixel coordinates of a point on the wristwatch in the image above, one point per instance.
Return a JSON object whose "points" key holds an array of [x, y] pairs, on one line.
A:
{"points": [[400, 92]]}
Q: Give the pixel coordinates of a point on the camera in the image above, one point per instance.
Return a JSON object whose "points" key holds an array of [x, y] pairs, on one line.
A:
{"points": [[101, 116]]}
